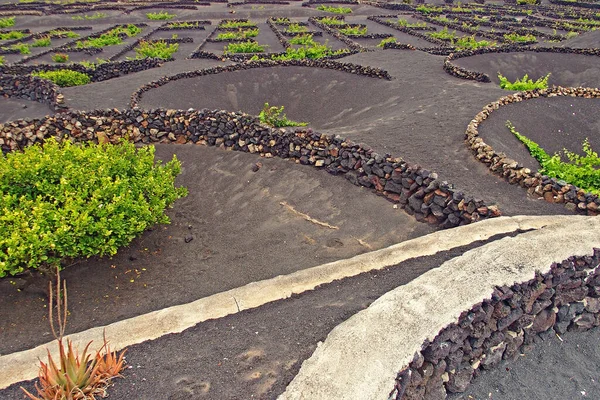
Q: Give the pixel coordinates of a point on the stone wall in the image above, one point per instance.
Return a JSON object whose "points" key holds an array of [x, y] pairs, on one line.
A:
{"points": [[565, 298], [419, 191], [550, 189], [32, 88]]}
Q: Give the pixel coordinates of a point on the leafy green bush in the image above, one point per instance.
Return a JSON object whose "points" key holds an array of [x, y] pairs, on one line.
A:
{"points": [[302, 39], [64, 77], [387, 40], [354, 30], [336, 10], [183, 25], [274, 116], [161, 16], [581, 171], [239, 34], [12, 35], [444, 34], [237, 24], [244, 47], [21, 47], [7, 22], [62, 34], [156, 49], [281, 21], [332, 21], [60, 58], [406, 24], [516, 38], [296, 28], [469, 42], [524, 83], [312, 51], [110, 38], [64, 201], [42, 42], [2, 60], [97, 15], [423, 9]]}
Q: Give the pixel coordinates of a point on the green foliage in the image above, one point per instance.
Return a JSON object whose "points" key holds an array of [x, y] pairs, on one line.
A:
{"points": [[64, 77], [7, 22], [239, 34], [444, 34], [529, 2], [582, 171], [312, 51], [524, 83], [296, 28], [110, 38], [2, 60], [63, 201], [97, 15], [12, 35], [571, 35], [183, 25], [302, 40], [274, 116], [281, 21], [62, 34], [516, 38], [469, 42], [60, 58], [244, 47], [160, 16], [331, 21], [354, 30], [236, 24], [336, 10], [424, 9], [406, 24], [92, 65], [390, 39], [22, 47], [42, 42], [156, 49]]}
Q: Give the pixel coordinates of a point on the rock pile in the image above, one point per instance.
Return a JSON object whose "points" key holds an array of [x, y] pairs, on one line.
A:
{"points": [[501, 328], [34, 89]]}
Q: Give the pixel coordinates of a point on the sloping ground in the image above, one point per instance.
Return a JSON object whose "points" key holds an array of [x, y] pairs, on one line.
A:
{"points": [[564, 69], [236, 226], [12, 109], [561, 122], [585, 40]]}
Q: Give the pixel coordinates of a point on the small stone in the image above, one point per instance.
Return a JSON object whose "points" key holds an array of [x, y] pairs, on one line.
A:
{"points": [[188, 238], [256, 166]]}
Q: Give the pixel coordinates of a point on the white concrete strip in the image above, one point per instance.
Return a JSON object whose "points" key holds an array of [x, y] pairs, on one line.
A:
{"points": [[23, 365], [361, 357]]}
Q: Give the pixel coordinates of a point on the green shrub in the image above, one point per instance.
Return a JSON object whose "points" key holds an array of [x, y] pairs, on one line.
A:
{"points": [[2, 60], [332, 21], [12, 35], [516, 38], [354, 30], [42, 42], [62, 34], [239, 34], [97, 15], [60, 58], [161, 16], [64, 77], [335, 10], [386, 40], [7, 22], [444, 34], [21, 47], [63, 201], [423, 9], [581, 171], [406, 24], [469, 42], [524, 83], [302, 40], [274, 116], [183, 25], [110, 38], [237, 24], [312, 51], [296, 28], [281, 21], [156, 49], [244, 47]]}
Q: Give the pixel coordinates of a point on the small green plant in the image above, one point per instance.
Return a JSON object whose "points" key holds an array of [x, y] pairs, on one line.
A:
{"points": [[235, 24], [296, 28], [64, 77], [335, 10], [21, 47], [274, 116], [62, 34], [244, 47], [406, 24], [2, 60], [516, 38], [469, 42], [354, 30], [12, 35], [160, 16], [331, 21], [528, 2], [61, 201], [524, 83], [281, 21], [156, 49], [238, 35], [444, 34], [424, 9], [183, 25], [42, 42], [7, 22], [302, 40], [110, 38], [97, 15], [312, 51], [582, 171], [571, 35], [92, 65], [383, 42], [60, 58]]}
